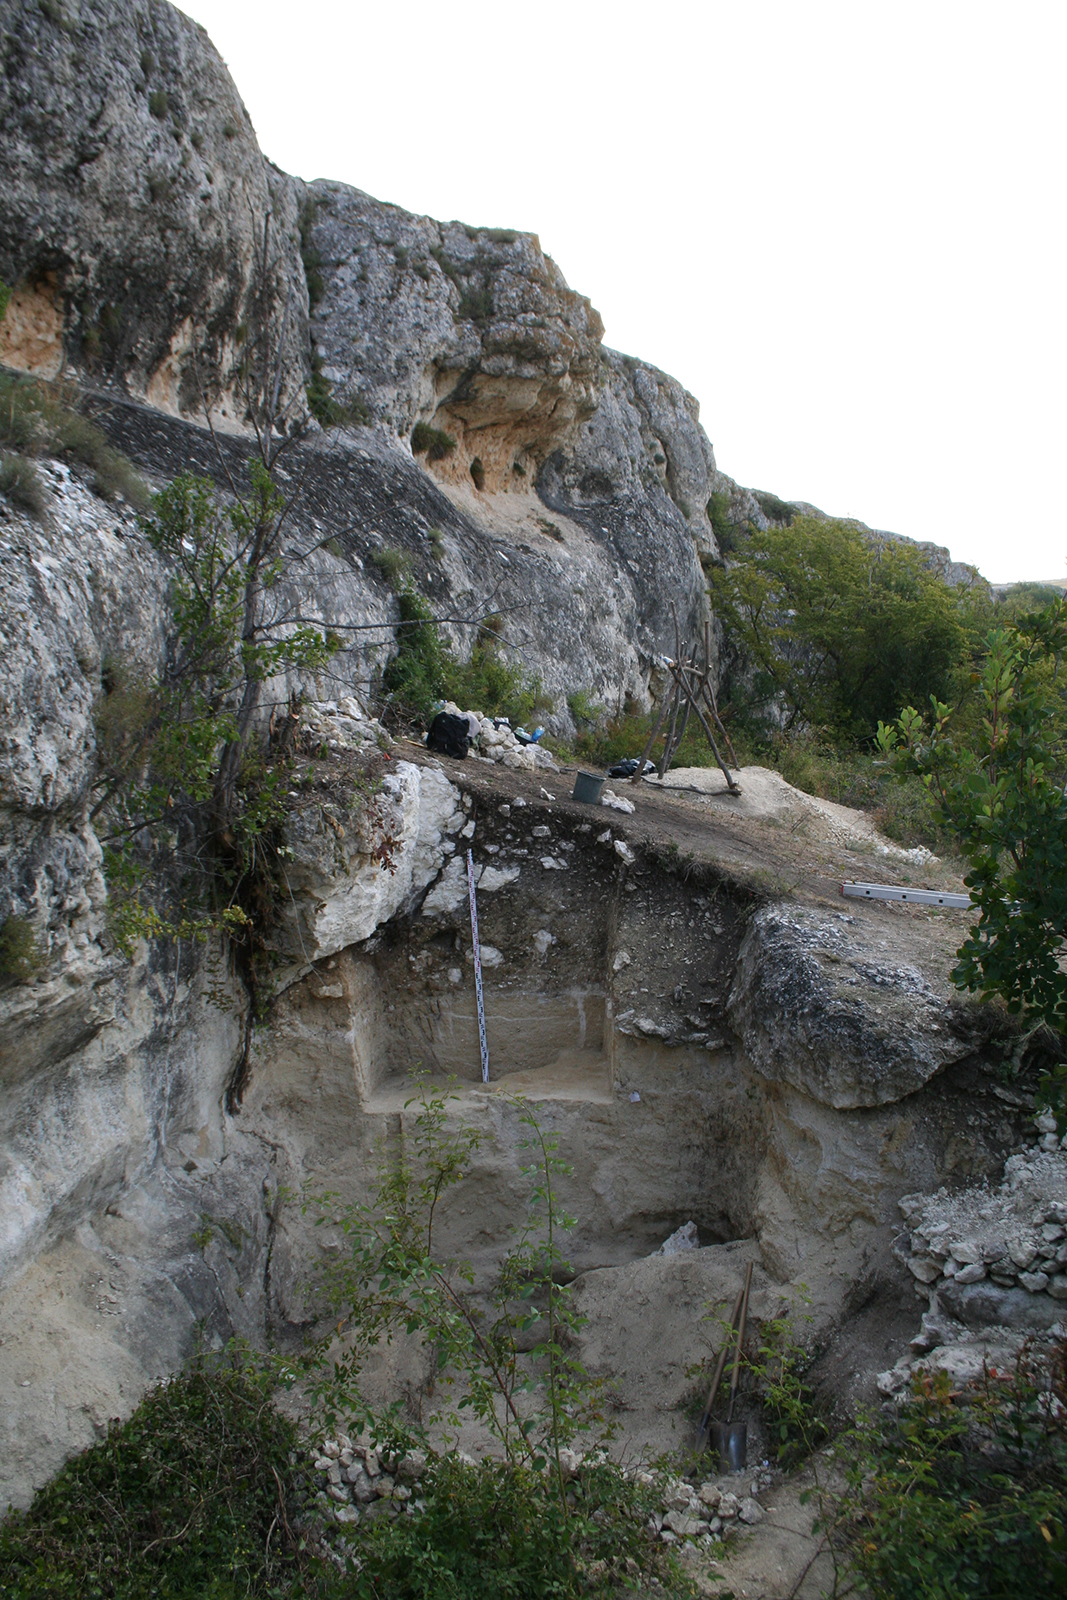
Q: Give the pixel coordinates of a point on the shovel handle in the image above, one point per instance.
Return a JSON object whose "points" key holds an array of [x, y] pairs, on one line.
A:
{"points": [[720, 1367], [735, 1375]]}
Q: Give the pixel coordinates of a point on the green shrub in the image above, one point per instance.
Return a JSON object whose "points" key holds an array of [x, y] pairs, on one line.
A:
{"points": [[583, 709], [433, 443], [437, 544], [476, 305], [158, 103], [186, 1499], [424, 670], [20, 953], [718, 509], [39, 419], [5, 298], [964, 1493], [324, 405], [229, 130], [394, 565], [478, 473], [773, 509], [497, 1532], [20, 482]]}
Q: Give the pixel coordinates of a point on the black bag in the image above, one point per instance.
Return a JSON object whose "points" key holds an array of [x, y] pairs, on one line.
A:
{"points": [[449, 736]]}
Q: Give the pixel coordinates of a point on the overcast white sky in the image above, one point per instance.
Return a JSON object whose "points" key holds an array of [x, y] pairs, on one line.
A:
{"points": [[839, 222]]}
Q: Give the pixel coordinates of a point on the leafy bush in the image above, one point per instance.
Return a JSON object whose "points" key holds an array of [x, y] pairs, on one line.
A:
{"points": [[999, 791], [159, 103], [323, 403], [839, 630], [312, 259], [40, 419], [392, 564], [478, 473], [583, 709], [190, 1498], [433, 443], [424, 670], [20, 955], [718, 510], [773, 509], [965, 1492], [21, 483], [496, 1531], [5, 298]]}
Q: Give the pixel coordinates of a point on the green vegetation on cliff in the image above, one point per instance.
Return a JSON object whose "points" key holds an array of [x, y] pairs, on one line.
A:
{"points": [[836, 630]]}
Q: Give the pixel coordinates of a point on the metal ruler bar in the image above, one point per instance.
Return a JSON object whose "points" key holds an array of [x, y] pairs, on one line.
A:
{"points": [[477, 968], [921, 897]]}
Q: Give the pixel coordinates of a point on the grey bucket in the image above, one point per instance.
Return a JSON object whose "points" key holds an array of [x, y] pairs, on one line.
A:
{"points": [[587, 788]]}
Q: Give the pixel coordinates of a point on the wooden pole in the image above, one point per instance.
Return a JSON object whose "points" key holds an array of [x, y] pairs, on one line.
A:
{"points": [[733, 787], [653, 736]]}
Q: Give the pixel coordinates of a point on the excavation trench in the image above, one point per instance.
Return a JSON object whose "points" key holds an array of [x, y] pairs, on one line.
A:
{"points": [[605, 990]]}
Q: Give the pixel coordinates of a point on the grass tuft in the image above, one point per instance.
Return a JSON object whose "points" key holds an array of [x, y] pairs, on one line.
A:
{"points": [[38, 419], [433, 443], [20, 483]]}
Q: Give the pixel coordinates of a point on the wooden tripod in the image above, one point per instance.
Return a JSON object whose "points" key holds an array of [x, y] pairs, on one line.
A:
{"points": [[692, 692]]}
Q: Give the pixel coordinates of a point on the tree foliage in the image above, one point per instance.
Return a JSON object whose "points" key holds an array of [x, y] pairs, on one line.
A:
{"points": [[840, 629], [183, 778], [1000, 793], [391, 1274], [964, 1492]]}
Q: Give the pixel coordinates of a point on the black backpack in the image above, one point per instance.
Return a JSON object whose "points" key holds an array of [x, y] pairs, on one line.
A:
{"points": [[449, 736]]}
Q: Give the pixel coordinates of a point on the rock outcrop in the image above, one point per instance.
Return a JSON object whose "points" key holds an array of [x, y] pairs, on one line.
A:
{"points": [[135, 197], [822, 1005]]}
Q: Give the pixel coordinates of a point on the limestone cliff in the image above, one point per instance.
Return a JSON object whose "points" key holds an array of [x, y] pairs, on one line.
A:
{"points": [[704, 1051]]}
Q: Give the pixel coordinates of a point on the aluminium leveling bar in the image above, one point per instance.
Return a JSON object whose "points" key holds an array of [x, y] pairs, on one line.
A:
{"points": [[921, 897]]}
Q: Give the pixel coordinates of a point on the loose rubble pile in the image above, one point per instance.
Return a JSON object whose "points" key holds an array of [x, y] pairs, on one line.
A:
{"points": [[494, 740], [358, 1481], [341, 724], [713, 1510], [1011, 1241], [992, 1264]]}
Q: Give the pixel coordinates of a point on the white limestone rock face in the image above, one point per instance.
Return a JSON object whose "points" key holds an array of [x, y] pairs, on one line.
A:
{"points": [[134, 193], [348, 875], [821, 1005], [79, 592]]}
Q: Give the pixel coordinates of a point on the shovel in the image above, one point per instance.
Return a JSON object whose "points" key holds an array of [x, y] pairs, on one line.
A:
{"points": [[728, 1448]]}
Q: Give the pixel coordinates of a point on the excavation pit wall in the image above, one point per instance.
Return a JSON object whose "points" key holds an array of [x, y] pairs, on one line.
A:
{"points": [[794, 1075], [649, 1106], [611, 1004]]}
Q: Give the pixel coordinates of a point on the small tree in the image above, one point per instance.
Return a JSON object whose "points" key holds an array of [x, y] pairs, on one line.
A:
{"points": [[1001, 795], [391, 1275], [839, 628]]}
